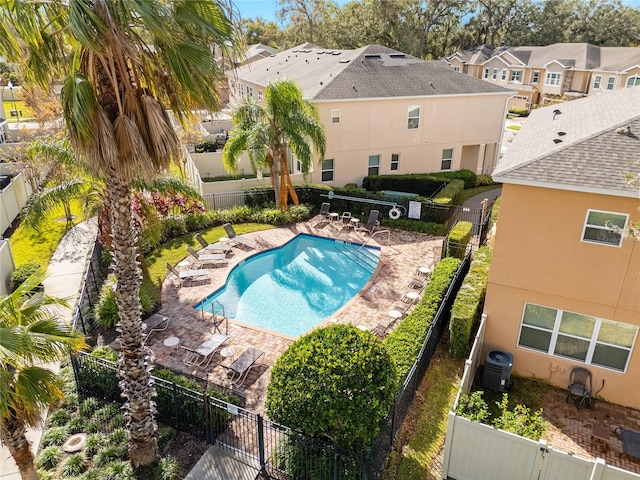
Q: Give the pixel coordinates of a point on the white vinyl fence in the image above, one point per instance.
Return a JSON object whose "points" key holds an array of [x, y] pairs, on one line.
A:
{"points": [[7, 266], [12, 199], [474, 451]]}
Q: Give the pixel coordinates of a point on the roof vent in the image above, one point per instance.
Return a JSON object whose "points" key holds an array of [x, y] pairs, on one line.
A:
{"points": [[562, 134], [557, 140], [336, 53], [371, 56], [556, 112], [626, 131], [344, 60], [397, 55], [354, 87]]}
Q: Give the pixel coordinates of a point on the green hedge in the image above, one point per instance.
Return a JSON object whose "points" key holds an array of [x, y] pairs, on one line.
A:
{"points": [[467, 307], [459, 239], [467, 176], [423, 184], [405, 341], [447, 195]]}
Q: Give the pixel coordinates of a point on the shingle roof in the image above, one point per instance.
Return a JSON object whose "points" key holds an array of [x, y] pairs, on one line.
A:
{"points": [[373, 71], [587, 144]]}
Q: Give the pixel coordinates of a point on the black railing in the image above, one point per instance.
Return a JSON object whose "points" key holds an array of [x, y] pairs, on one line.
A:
{"points": [[93, 280]]}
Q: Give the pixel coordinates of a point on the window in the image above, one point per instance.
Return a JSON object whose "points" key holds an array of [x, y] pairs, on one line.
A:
{"points": [[495, 74], [516, 76], [553, 78], [374, 165], [413, 118], [504, 75], [259, 95], [335, 115], [456, 68], [597, 80], [395, 159], [249, 91], [447, 156], [536, 76], [611, 83], [604, 227], [486, 73], [587, 339], [241, 89], [633, 81], [327, 170]]}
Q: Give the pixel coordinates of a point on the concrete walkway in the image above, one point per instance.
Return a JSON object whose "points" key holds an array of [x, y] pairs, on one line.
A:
{"points": [[64, 280], [220, 464]]}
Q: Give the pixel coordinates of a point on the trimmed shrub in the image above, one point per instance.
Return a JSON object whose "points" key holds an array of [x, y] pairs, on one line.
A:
{"points": [[404, 343], [48, 458], [519, 112], [467, 176], [88, 406], [73, 465], [106, 313], [118, 470], [21, 273], [424, 184], [54, 436], [483, 180], [59, 418], [336, 382], [208, 146], [411, 225], [447, 195], [106, 455], [459, 239], [95, 442], [77, 425], [468, 304], [168, 469], [106, 353]]}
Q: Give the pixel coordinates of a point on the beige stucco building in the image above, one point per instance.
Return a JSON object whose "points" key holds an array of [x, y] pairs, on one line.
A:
{"points": [[564, 288], [559, 71], [386, 112]]}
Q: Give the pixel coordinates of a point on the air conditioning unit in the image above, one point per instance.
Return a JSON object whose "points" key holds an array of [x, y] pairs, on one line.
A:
{"points": [[497, 370]]}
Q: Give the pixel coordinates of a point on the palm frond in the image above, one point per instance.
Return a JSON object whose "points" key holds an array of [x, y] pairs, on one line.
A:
{"points": [[36, 388], [41, 204]]}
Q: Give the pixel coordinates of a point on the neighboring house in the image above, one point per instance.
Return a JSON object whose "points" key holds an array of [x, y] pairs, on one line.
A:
{"points": [[386, 112], [257, 52], [562, 71], [564, 288]]}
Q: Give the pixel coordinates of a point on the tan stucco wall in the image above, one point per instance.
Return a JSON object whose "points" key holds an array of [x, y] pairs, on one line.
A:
{"points": [[633, 72], [372, 127], [580, 81], [552, 89], [539, 258]]}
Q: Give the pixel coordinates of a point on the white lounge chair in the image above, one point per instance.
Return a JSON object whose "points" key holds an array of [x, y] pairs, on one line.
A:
{"points": [[214, 259], [192, 277], [235, 238]]}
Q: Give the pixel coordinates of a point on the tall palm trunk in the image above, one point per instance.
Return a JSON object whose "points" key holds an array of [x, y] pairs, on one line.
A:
{"points": [[275, 181], [133, 365], [12, 434]]}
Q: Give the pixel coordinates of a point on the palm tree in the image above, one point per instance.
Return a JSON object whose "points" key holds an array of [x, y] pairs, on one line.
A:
{"points": [[31, 336], [285, 120], [119, 61]]}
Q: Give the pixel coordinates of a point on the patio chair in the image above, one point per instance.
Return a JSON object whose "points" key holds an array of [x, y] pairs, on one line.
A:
{"points": [[212, 247], [630, 442], [323, 215], [214, 259], [190, 277], [580, 388], [155, 323], [235, 238], [372, 223], [201, 357], [346, 220], [417, 283], [239, 368]]}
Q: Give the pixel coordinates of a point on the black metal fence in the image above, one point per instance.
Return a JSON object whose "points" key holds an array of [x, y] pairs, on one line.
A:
{"points": [[93, 280]]}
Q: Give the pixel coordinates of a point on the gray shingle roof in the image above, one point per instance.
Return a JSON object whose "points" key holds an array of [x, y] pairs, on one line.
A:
{"points": [[589, 145], [373, 71]]}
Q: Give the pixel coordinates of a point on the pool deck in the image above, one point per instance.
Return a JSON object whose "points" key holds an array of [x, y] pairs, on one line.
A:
{"points": [[399, 258]]}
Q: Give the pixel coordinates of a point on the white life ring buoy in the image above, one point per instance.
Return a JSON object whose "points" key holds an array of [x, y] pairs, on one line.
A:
{"points": [[394, 213]]}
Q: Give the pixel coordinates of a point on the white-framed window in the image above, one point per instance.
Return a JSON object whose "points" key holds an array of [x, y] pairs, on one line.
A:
{"points": [[327, 170], [241, 89], [494, 76], [536, 76], [456, 68], [611, 83], [504, 75], [413, 117], [633, 81], [374, 165], [553, 79], [486, 73], [395, 161], [447, 157], [259, 95], [584, 338], [335, 115], [597, 81], [516, 76], [249, 91], [604, 227]]}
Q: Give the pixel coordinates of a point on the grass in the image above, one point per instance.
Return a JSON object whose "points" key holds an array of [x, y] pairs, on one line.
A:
{"points": [[29, 246], [415, 455], [472, 192], [19, 105], [176, 250], [514, 127]]}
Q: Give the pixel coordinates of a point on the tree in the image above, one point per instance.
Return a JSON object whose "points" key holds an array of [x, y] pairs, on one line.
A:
{"points": [[260, 31], [267, 130], [120, 60], [31, 336], [336, 382]]}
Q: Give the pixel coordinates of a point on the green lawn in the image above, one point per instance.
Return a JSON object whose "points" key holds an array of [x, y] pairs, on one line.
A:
{"points": [[514, 127], [20, 106]]}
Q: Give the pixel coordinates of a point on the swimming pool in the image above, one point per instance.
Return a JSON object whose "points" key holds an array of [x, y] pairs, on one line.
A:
{"points": [[292, 288]]}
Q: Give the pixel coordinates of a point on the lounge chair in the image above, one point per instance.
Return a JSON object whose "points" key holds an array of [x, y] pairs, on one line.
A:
{"points": [[235, 238], [417, 283], [201, 356], [398, 311], [155, 323], [239, 368], [214, 259], [346, 220], [219, 247], [323, 216], [372, 222], [190, 277]]}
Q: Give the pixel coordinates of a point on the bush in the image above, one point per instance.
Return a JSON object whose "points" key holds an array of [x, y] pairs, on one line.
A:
{"points": [[458, 239], [77, 425], [118, 470], [73, 465], [411, 225], [106, 313], [404, 343], [21, 273], [59, 418], [95, 442], [208, 146], [168, 469], [483, 180], [519, 112], [88, 406], [336, 382], [48, 458], [473, 407], [118, 437], [165, 435], [467, 307], [449, 192], [106, 353], [54, 436], [467, 176], [173, 227], [106, 455]]}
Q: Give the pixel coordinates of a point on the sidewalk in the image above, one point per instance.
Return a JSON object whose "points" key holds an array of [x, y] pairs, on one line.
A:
{"points": [[64, 280]]}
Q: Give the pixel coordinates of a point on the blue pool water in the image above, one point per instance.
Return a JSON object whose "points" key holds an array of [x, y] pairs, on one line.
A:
{"points": [[292, 288]]}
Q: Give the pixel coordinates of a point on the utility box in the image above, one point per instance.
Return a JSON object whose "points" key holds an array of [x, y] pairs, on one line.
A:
{"points": [[497, 370]]}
